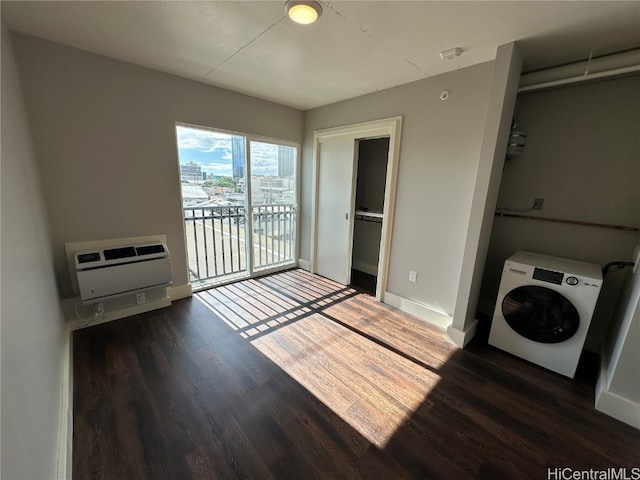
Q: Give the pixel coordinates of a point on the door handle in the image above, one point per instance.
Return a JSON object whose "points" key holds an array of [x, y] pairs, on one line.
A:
{"points": [[346, 216]]}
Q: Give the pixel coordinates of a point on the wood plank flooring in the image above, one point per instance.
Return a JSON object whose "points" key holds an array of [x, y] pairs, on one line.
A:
{"points": [[293, 376]]}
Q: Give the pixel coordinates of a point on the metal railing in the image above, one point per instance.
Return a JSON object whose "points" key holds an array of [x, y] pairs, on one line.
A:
{"points": [[274, 235], [216, 239]]}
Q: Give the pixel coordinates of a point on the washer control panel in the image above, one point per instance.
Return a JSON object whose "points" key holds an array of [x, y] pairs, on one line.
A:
{"points": [[548, 276]]}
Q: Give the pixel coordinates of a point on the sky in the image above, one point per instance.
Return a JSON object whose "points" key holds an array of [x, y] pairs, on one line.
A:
{"points": [[212, 150]]}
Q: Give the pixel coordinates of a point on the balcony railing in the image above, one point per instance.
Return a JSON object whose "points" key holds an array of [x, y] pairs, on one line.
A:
{"points": [[216, 240]]}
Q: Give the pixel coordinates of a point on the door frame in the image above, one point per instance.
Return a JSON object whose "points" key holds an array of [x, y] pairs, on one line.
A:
{"points": [[388, 127]]}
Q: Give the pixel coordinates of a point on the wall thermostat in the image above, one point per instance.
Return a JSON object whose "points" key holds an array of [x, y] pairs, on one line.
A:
{"points": [[444, 95]]}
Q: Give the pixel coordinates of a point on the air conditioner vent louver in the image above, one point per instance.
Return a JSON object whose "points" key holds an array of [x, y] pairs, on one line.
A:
{"points": [[123, 252], [148, 249], [88, 257], [116, 271]]}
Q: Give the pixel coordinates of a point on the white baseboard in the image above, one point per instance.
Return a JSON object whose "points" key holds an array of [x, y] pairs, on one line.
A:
{"points": [[614, 405], [179, 291], [122, 313], [85, 319], [364, 267], [461, 338], [65, 433], [423, 312], [304, 264]]}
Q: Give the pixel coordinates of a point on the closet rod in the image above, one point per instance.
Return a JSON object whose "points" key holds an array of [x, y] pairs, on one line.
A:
{"points": [[570, 222]]}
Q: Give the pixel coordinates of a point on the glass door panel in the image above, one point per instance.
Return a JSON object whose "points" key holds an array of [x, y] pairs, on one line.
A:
{"points": [[273, 203], [212, 176]]}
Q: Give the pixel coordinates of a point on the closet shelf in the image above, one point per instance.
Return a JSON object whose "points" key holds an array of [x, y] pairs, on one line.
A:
{"points": [[367, 213]]}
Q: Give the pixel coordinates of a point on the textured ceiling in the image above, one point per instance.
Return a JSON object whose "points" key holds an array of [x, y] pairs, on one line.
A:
{"points": [[355, 47]]}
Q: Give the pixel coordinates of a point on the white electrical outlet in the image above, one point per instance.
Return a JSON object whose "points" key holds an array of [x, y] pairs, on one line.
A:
{"points": [[413, 275], [141, 298]]}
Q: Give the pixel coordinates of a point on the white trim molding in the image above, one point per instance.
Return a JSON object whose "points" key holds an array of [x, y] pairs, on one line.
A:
{"points": [[80, 316], [65, 433], [304, 264], [388, 127], [614, 405], [179, 291], [423, 312], [461, 338]]}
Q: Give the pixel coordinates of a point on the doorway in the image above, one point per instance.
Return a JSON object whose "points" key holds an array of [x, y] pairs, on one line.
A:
{"points": [[371, 174], [336, 161]]}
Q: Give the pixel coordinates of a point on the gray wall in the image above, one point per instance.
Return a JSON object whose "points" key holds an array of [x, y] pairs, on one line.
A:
{"points": [[32, 323], [582, 158], [104, 132], [439, 154], [504, 90]]}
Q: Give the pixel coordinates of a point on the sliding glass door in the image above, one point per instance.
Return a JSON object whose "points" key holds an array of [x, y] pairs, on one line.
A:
{"points": [[221, 206]]}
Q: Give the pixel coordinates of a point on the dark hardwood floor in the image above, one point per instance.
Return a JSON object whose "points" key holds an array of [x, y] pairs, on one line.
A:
{"points": [[293, 376], [363, 281]]}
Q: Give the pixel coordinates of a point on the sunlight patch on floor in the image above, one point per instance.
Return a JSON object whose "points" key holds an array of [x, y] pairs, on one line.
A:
{"points": [[369, 386], [371, 365]]}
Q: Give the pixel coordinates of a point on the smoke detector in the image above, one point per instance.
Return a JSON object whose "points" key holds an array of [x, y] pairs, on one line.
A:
{"points": [[451, 53]]}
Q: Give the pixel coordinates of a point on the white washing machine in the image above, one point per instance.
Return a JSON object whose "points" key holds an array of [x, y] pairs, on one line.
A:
{"points": [[544, 309]]}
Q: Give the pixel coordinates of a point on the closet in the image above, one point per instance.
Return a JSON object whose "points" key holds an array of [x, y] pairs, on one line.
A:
{"points": [[354, 183], [369, 207]]}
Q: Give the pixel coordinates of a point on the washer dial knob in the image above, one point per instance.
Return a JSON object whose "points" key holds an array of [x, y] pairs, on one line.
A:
{"points": [[572, 280]]}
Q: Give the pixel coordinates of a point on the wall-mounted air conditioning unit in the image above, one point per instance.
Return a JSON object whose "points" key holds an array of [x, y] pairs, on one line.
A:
{"points": [[115, 271]]}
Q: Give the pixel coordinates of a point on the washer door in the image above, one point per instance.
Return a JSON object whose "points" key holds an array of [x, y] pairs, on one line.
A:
{"points": [[540, 314]]}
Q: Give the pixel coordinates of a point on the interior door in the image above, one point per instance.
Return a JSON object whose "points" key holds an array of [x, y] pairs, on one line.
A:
{"points": [[336, 195]]}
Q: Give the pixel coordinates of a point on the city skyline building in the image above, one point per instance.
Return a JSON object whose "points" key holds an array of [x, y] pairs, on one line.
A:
{"points": [[191, 171], [286, 161], [237, 156]]}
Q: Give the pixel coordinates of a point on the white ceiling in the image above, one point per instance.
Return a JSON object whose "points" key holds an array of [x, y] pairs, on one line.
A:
{"points": [[356, 47]]}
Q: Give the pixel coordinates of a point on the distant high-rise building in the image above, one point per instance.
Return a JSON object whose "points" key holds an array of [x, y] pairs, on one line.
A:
{"points": [[190, 171], [286, 161], [237, 156]]}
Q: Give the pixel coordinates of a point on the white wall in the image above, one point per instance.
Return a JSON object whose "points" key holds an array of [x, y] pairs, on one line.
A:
{"points": [[104, 132], [582, 158], [618, 389], [33, 333], [625, 378], [439, 155]]}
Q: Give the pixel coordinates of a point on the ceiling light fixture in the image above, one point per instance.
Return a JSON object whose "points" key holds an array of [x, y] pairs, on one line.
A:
{"points": [[303, 12]]}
